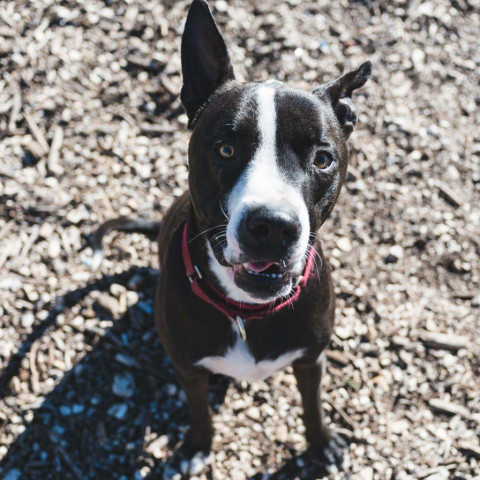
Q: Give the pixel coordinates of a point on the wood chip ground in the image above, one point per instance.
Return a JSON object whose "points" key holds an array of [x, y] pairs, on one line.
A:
{"points": [[91, 127]]}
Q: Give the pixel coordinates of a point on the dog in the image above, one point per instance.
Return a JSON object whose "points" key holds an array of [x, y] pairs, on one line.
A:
{"points": [[244, 288]]}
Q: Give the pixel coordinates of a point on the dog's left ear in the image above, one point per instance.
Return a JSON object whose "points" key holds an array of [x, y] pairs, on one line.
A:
{"points": [[205, 60], [339, 94]]}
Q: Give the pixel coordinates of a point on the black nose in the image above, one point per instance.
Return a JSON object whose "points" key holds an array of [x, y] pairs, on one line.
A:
{"points": [[264, 231]]}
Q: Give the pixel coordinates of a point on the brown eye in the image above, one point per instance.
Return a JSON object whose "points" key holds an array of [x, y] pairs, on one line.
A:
{"points": [[323, 160], [226, 150]]}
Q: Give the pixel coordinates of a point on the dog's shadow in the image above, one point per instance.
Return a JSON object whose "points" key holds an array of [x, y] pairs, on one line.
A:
{"points": [[118, 412]]}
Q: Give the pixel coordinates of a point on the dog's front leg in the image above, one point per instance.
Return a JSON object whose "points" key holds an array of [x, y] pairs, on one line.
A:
{"points": [[323, 444], [309, 378], [199, 437], [193, 457]]}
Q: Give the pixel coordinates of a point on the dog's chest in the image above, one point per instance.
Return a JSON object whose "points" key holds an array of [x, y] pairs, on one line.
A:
{"points": [[238, 362]]}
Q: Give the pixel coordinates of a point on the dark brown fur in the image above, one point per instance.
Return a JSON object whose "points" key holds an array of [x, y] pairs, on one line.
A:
{"points": [[191, 329]]}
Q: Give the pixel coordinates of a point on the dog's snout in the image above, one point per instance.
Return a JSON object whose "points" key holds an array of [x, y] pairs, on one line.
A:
{"points": [[266, 229], [279, 227]]}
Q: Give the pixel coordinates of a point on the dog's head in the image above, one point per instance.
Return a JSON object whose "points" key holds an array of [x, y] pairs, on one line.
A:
{"points": [[266, 163]]}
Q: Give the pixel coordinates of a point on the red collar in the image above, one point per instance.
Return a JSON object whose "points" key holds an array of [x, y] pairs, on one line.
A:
{"points": [[234, 310]]}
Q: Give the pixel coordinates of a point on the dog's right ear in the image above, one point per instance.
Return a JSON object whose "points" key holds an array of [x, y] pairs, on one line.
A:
{"points": [[339, 94], [205, 60]]}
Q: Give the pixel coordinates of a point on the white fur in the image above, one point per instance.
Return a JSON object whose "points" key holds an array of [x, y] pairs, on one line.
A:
{"points": [[238, 362], [262, 184]]}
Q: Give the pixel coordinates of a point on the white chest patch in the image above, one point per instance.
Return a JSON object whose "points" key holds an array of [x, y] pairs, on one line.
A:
{"points": [[238, 362]]}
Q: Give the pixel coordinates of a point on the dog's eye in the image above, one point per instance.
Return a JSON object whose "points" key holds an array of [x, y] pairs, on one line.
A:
{"points": [[226, 150], [323, 160]]}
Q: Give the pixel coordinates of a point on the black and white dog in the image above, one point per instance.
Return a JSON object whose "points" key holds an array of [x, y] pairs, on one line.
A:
{"points": [[244, 289]]}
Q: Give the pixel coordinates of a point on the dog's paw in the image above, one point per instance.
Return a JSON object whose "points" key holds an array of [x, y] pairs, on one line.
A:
{"points": [[197, 464], [334, 455], [183, 466]]}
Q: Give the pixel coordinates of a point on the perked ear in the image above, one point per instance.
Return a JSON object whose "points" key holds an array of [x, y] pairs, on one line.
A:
{"points": [[339, 94], [205, 60]]}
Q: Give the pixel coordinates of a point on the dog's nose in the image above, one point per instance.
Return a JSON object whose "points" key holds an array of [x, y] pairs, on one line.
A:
{"points": [[266, 229]]}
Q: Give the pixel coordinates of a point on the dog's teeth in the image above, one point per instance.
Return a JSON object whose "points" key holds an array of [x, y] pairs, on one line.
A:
{"points": [[263, 274]]}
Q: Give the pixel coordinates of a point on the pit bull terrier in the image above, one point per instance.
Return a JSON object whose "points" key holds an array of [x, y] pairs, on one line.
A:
{"points": [[244, 289]]}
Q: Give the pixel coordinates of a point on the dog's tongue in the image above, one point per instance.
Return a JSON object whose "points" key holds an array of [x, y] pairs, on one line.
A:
{"points": [[258, 266]]}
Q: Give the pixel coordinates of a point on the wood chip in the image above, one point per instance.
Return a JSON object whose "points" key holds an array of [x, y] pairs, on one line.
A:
{"points": [[16, 108], [466, 295], [28, 245], [157, 129], [469, 450], [53, 163], [36, 132], [444, 406], [443, 340], [338, 357], [449, 195]]}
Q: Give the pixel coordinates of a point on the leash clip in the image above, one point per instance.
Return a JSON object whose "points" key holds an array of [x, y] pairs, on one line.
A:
{"points": [[241, 327]]}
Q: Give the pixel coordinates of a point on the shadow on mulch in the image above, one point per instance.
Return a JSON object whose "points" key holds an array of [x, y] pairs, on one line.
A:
{"points": [[75, 433]]}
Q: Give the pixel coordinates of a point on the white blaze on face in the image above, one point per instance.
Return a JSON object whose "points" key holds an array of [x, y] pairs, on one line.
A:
{"points": [[261, 184]]}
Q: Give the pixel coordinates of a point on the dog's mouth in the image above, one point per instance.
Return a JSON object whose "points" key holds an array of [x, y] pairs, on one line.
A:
{"points": [[263, 280], [269, 270]]}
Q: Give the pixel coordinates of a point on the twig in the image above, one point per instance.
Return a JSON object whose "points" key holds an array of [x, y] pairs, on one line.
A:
{"points": [[53, 164], [32, 239], [345, 417], [16, 108], [6, 228], [75, 470], [33, 368], [8, 32]]}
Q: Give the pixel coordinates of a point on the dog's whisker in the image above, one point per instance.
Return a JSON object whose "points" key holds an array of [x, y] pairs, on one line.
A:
{"points": [[219, 239], [316, 255], [218, 243], [216, 239], [223, 211], [208, 230], [318, 269], [219, 235]]}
